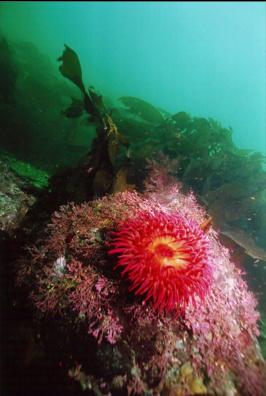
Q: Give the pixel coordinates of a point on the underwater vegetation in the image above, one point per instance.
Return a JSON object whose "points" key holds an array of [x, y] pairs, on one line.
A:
{"points": [[32, 125], [101, 159], [230, 181], [34, 176], [207, 347], [114, 142], [130, 287]]}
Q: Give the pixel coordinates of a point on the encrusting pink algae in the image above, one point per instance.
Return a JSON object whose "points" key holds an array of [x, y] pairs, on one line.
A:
{"points": [[145, 280]]}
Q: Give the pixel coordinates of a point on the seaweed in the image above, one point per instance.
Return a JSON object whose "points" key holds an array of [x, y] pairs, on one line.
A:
{"points": [[71, 68], [100, 162], [76, 109], [229, 180]]}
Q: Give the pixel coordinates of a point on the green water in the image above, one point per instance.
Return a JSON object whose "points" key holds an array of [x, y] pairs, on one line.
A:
{"points": [[208, 59]]}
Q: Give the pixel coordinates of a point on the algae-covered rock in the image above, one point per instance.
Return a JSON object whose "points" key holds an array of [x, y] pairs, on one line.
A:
{"points": [[100, 276], [15, 197], [115, 326]]}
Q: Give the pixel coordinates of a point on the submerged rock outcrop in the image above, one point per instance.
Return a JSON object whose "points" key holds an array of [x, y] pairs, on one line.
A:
{"points": [[133, 292], [120, 341], [16, 198]]}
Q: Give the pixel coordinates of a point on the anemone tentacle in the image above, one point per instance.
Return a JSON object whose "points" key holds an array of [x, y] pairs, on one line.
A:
{"points": [[165, 257]]}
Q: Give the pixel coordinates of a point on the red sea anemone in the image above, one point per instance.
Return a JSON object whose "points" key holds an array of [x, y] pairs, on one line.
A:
{"points": [[165, 257]]}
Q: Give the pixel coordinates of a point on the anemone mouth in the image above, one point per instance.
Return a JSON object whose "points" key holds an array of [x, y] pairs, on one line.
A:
{"points": [[169, 252], [166, 258]]}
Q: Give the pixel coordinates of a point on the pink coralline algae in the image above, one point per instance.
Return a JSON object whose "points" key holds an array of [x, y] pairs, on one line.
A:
{"points": [[161, 260]]}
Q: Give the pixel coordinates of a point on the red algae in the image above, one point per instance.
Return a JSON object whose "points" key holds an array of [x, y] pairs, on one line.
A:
{"points": [[156, 242]]}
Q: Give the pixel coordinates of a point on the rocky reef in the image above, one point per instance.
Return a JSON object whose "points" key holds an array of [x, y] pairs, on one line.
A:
{"points": [[119, 341], [17, 196], [127, 280]]}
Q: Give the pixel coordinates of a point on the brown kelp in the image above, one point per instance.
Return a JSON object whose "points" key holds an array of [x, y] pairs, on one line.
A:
{"points": [[100, 163]]}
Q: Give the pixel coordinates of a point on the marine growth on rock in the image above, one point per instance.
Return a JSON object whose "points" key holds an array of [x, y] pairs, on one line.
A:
{"points": [[117, 270]]}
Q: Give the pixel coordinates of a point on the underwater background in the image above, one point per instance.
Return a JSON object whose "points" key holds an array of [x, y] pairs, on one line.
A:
{"points": [[93, 97], [204, 58]]}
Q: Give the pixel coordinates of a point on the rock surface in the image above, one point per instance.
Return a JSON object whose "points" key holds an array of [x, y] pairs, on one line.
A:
{"points": [[15, 200]]}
